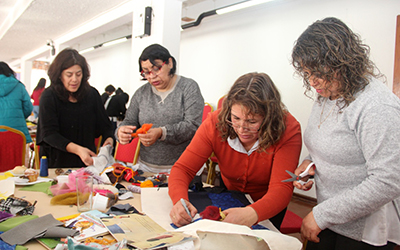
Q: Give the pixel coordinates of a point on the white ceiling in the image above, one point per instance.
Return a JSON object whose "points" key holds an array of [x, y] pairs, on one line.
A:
{"points": [[27, 25]]}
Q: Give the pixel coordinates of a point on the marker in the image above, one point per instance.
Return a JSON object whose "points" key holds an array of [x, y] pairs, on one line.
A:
{"points": [[186, 208]]}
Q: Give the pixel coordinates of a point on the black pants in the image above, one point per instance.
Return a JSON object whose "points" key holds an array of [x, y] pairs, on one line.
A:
{"points": [[330, 240]]}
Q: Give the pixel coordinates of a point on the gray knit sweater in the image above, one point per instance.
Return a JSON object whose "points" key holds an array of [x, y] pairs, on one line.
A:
{"points": [[356, 153], [180, 112]]}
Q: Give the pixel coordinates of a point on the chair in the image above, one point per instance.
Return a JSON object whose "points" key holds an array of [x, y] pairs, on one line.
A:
{"points": [[12, 148], [207, 109], [212, 162], [291, 223], [37, 158], [128, 153], [97, 142], [221, 101]]}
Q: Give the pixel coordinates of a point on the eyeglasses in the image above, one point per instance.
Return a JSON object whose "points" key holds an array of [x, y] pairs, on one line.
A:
{"points": [[154, 72], [250, 127]]}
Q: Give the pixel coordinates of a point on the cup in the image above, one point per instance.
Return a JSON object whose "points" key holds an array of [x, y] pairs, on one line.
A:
{"points": [[84, 193]]}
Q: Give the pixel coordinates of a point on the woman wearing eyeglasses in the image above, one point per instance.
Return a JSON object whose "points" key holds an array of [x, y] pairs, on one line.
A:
{"points": [[255, 140], [353, 138], [172, 103]]}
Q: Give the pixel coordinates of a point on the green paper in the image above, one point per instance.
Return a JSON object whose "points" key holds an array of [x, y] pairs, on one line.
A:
{"points": [[39, 187], [15, 221], [50, 242]]}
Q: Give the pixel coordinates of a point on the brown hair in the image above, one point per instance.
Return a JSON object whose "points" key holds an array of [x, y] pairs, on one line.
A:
{"points": [[258, 94], [330, 50], [64, 60]]}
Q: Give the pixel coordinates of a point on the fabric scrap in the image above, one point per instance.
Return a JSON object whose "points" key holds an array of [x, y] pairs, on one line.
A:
{"points": [[43, 187], [32, 229]]}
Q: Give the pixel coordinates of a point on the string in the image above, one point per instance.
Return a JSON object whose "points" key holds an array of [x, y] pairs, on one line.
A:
{"points": [[322, 112]]}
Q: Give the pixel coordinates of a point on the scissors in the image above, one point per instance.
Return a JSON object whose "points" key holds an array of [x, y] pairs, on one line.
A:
{"points": [[300, 176]]}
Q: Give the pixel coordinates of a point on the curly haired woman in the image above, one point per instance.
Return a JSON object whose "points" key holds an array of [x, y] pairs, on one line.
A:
{"points": [[352, 136]]}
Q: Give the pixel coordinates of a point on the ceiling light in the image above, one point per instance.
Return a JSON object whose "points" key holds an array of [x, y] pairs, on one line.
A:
{"points": [[86, 50], [239, 6], [223, 10], [120, 40]]}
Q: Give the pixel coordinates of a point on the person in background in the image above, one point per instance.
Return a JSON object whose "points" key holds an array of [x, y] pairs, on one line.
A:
{"points": [[255, 140], [15, 103], [172, 103], [71, 114], [117, 107], [106, 96], [352, 136], [37, 92]]}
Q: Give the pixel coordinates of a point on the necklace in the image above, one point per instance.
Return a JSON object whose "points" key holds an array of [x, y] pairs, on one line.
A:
{"points": [[322, 112]]}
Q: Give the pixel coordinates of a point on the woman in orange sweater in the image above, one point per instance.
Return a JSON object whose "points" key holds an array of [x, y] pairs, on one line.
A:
{"points": [[255, 140]]}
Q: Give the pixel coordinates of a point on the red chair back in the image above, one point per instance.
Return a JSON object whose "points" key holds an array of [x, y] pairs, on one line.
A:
{"points": [[291, 223], [12, 148], [207, 109], [97, 142], [221, 101], [128, 153]]}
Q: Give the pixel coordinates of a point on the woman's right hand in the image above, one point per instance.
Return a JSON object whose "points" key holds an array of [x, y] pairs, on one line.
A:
{"points": [[84, 153], [124, 134], [308, 185], [179, 215]]}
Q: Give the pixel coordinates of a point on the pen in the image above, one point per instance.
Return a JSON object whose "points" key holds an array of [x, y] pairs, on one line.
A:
{"points": [[186, 208]]}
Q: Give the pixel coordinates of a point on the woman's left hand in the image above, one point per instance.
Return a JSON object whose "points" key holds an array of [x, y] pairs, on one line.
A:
{"points": [[109, 141], [309, 228], [151, 136], [241, 215]]}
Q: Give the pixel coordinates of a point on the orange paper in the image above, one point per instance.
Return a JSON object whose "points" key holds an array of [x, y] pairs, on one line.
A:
{"points": [[143, 130]]}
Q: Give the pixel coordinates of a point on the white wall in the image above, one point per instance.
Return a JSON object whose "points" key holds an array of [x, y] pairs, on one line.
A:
{"points": [[112, 65], [222, 48]]}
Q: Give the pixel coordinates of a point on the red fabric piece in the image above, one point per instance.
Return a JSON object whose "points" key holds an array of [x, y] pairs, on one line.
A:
{"points": [[211, 213], [291, 223]]}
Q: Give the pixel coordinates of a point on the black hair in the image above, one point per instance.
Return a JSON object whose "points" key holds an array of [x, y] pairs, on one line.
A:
{"points": [[64, 60], [110, 88], [41, 84], [6, 70], [154, 52]]}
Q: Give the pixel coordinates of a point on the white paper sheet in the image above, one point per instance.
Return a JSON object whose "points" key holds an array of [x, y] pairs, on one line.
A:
{"points": [[7, 188], [156, 204]]}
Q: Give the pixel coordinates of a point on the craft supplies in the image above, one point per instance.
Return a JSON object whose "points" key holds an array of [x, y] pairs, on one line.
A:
{"points": [[44, 170]]}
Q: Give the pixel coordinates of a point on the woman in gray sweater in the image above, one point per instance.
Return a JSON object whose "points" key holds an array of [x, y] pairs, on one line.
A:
{"points": [[353, 138], [172, 103]]}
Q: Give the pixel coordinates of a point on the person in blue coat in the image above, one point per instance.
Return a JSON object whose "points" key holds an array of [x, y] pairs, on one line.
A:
{"points": [[15, 102]]}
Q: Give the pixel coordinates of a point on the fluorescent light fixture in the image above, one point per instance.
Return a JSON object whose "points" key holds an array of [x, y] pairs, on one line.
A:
{"points": [[86, 50], [120, 40], [241, 5]]}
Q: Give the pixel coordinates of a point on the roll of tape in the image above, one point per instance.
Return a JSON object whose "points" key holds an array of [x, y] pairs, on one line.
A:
{"points": [[100, 202]]}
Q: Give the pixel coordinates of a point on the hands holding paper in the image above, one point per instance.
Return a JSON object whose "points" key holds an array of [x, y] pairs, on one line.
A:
{"points": [[178, 213]]}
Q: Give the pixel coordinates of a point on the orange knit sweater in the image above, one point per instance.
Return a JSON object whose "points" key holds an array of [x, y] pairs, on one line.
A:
{"points": [[259, 174]]}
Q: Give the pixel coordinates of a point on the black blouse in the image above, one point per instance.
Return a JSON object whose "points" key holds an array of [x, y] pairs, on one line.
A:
{"points": [[63, 122]]}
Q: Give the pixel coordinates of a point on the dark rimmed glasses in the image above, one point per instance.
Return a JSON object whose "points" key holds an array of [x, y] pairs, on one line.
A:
{"points": [[154, 72]]}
